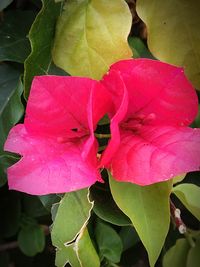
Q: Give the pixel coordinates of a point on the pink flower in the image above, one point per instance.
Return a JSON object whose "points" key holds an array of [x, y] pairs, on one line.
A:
{"points": [[56, 141], [154, 105]]}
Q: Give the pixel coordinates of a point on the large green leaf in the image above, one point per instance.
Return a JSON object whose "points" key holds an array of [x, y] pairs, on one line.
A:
{"points": [[85, 250], [11, 108], [80, 253], [71, 218], [91, 35], [189, 195], [14, 43], [173, 33], [176, 256], [146, 207], [67, 255], [108, 241], [41, 37]]}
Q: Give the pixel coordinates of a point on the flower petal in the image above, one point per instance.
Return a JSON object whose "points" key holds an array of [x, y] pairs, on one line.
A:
{"points": [[156, 88], [118, 111], [58, 106], [156, 154], [48, 166]]}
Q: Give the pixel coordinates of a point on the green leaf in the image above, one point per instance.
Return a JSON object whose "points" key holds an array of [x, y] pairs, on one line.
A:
{"points": [[49, 200], [31, 239], [91, 35], [80, 253], [70, 218], [176, 256], [6, 160], [146, 207], [85, 250], [109, 212], [67, 255], [108, 241], [11, 108], [4, 4], [129, 237], [189, 195], [193, 259], [32, 206], [173, 33], [139, 49], [41, 37], [179, 178], [14, 43]]}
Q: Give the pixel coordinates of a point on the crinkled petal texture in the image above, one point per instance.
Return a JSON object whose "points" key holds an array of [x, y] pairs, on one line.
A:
{"points": [[156, 154], [155, 143], [56, 141]]}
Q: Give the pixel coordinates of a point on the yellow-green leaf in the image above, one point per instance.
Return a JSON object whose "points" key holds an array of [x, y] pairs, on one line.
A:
{"points": [[85, 250], [146, 207], [189, 195], [91, 35], [173, 33]]}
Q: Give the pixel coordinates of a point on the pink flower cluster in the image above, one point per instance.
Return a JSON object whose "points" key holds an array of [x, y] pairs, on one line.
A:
{"points": [[150, 105]]}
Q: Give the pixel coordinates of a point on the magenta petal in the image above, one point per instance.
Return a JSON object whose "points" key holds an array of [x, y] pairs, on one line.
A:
{"points": [[159, 89], [48, 166], [156, 154], [119, 97], [58, 105]]}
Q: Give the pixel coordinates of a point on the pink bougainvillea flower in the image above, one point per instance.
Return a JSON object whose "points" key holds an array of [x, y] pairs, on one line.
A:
{"points": [[154, 105], [57, 141]]}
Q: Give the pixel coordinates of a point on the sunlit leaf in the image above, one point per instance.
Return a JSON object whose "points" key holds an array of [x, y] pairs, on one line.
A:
{"points": [[146, 206], [41, 38], [85, 250], [176, 256], [189, 195], [179, 178], [90, 35], [109, 243], [173, 33], [70, 218]]}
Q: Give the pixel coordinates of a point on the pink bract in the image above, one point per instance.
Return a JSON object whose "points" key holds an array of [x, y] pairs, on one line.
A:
{"points": [[56, 141], [154, 104]]}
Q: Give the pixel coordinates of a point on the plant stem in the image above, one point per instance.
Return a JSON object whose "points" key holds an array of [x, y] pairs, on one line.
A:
{"points": [[101, 136], [176, 216]]}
